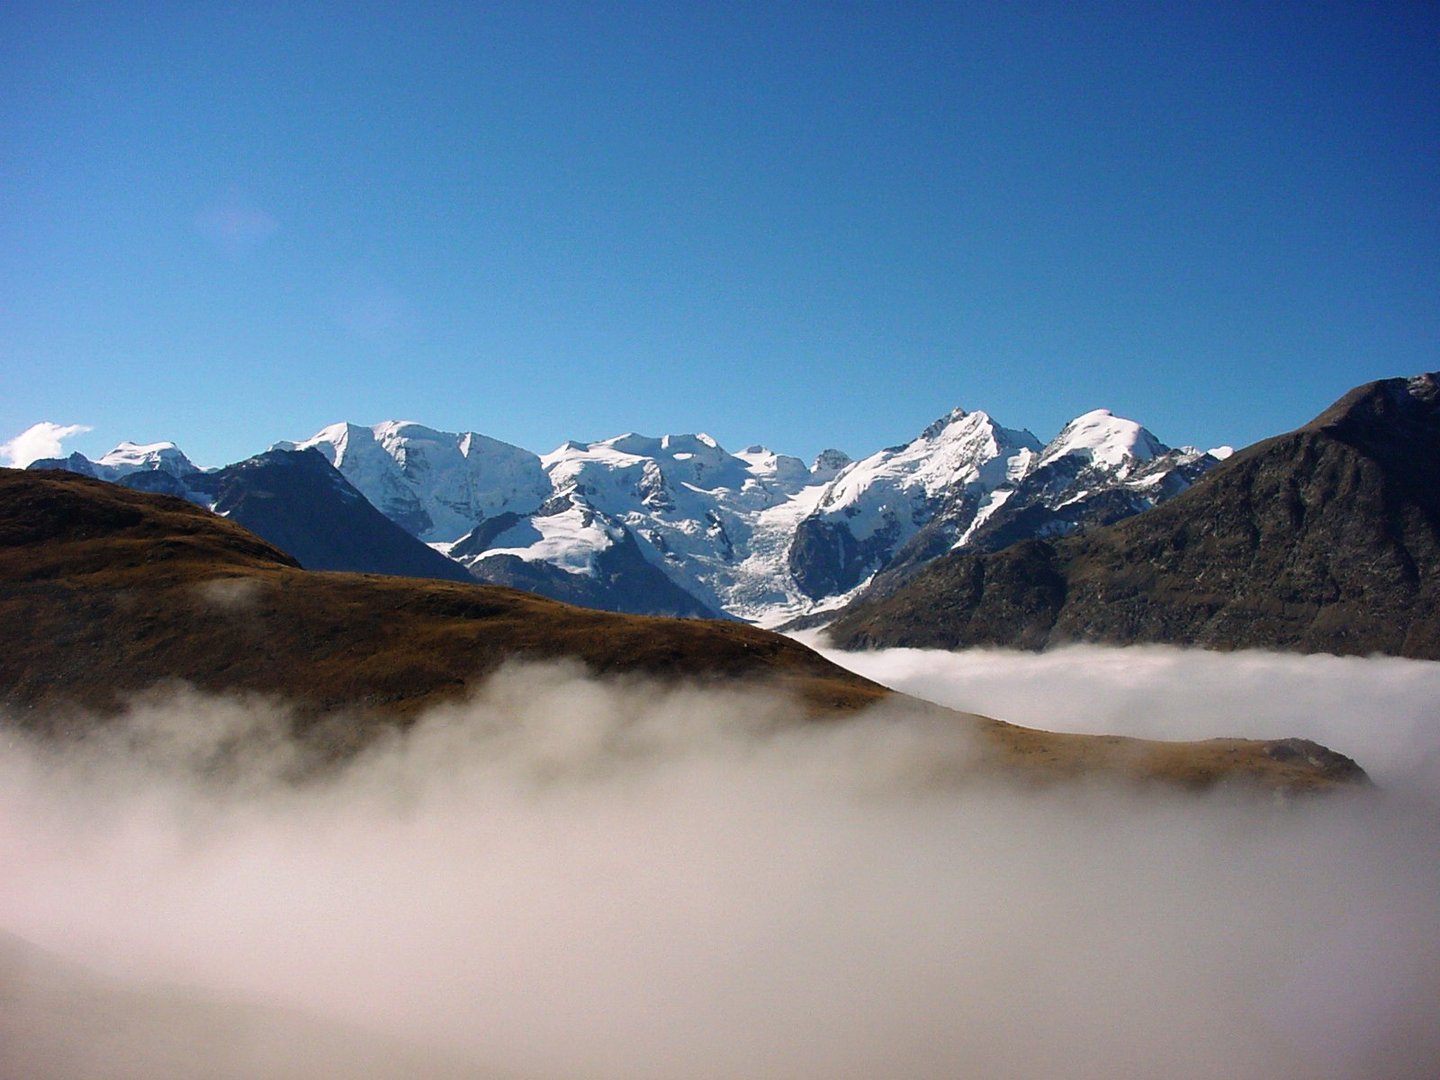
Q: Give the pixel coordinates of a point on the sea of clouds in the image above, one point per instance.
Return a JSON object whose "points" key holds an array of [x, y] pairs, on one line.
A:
{"points": [[566, 877]]}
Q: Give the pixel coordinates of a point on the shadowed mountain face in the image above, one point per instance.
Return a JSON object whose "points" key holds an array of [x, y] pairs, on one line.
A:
{"points": [[298, 502], [1323, 540], [118, 591]]}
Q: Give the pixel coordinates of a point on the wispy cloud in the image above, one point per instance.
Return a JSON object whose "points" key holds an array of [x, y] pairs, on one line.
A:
{"points": [[367, 308], [235, 226], [42, 440]]}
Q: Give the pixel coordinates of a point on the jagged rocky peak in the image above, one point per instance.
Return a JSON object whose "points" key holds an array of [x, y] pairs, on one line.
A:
{"points": [[828, 462], [959, 449], [937, 427]]}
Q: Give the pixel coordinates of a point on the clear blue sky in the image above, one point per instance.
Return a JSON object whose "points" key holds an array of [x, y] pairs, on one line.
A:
{"points": [[798, 224]]}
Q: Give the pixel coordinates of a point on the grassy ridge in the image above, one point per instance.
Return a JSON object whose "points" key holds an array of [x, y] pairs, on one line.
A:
{"points": [[106, 592]]}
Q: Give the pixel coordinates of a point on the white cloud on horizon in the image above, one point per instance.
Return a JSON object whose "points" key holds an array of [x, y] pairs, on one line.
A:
{"points": [[42, 440]]}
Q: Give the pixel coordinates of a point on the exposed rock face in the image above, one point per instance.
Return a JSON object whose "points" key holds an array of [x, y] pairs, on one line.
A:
{"points": [[1323, 540], [298, 502]]}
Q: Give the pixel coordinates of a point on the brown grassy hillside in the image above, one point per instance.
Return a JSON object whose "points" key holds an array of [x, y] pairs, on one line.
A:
{"points": [[105, 592]]}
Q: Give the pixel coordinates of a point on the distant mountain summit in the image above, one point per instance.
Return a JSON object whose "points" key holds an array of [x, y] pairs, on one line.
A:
{"points": [[967, 484], [874, 507], [436, 485], [1324, 539]]}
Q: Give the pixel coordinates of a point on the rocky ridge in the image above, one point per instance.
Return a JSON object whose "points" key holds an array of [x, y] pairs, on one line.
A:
{"points": [[1326, 539]]}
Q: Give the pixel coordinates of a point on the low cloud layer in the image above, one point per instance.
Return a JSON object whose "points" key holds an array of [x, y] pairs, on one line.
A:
{"points": [[42, 440], [567, 878], [1383, 711]]}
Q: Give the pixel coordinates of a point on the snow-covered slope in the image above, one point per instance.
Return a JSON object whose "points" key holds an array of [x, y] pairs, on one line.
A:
{"points": [[1099, 469], [131, 457], [754, 534], [690, 507], [1103, 439], [435, 484], [874, 507]]}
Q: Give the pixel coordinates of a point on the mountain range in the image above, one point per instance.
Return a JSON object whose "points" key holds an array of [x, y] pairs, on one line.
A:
{"points": [[1325, 539], [1322, 539], [674, 525]]}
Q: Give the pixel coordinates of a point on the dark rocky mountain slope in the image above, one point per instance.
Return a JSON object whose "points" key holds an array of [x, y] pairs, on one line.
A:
{"points": [[106, 593], [1326, 539], [297, 501]]}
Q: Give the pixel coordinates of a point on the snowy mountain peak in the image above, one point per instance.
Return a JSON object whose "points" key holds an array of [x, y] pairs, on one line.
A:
{"points": [[827, 465], [937, 427], [605, 471], [438, 485], [1104, 439], [131, 457]]}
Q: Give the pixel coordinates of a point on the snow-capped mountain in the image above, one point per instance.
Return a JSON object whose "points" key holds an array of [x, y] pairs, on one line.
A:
{"points": [[435, 484], [687, 506], [679, 525], [1099, 469], [754, 534], [874, 507], [129, 458]]}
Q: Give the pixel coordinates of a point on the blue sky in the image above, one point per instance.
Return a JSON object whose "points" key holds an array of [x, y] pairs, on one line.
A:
{"points": [[798, 224]]}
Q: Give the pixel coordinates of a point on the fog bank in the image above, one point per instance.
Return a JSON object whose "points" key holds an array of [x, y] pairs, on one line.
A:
{"points": [[572, 878], [1382, 711]]}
